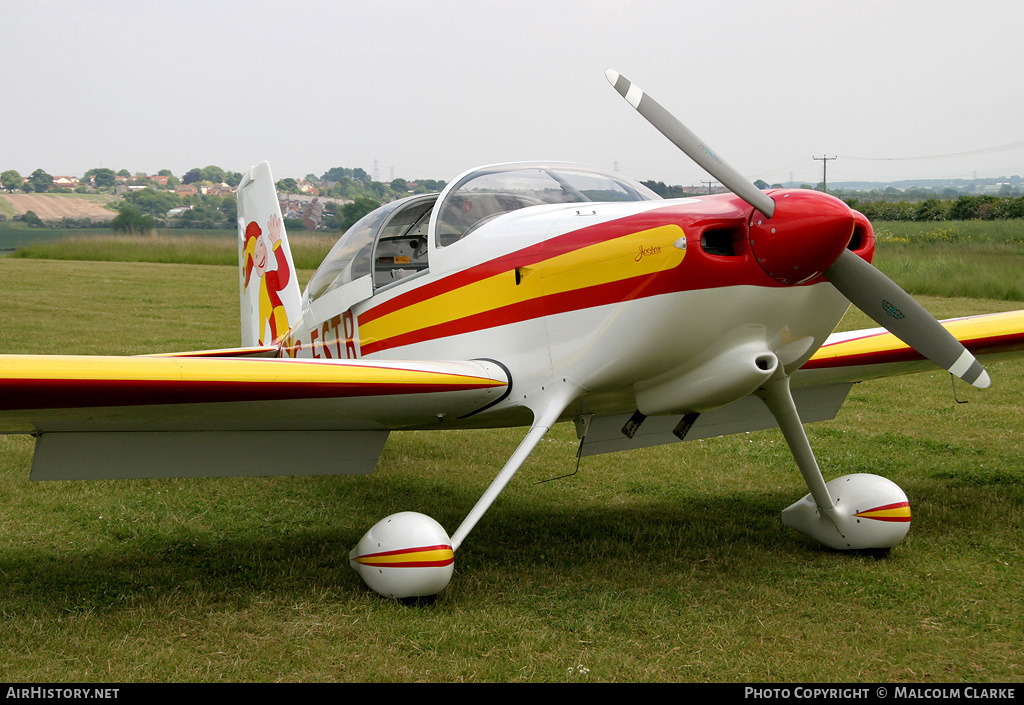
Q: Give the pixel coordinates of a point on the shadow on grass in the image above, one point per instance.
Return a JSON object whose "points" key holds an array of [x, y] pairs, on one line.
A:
{"points": [[739, 536]]}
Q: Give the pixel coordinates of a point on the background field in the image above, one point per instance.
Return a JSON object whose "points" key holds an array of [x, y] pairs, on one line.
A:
{"points": [[664, 564], [926, 258], [57, 206], [163, 246]]}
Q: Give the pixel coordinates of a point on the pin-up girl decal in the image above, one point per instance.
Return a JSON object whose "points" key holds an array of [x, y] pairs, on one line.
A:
{"points": [[265, 256]]}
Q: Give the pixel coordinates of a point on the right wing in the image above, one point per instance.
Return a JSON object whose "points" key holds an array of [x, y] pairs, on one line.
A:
{"points": [[819, 387], [860, 355]]}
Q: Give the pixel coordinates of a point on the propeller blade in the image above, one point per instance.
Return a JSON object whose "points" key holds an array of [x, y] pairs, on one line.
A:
{"points": [[866, 287], [894, 309], [690, 144]]}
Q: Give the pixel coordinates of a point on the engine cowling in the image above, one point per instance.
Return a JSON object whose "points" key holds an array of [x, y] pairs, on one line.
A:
{"points": [[732, 369]]}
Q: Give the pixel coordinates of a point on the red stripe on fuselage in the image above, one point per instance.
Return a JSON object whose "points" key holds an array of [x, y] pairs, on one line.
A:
{"points": [[562, 302], [559, 245], [698, 270]]}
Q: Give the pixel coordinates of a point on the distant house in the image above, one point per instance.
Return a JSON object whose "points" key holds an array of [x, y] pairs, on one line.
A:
{"points": [[220, 189], [307, 188], [65, 182], [313, 214], [186, 190]]}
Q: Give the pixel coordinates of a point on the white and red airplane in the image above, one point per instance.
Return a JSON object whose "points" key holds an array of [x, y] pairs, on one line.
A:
{"points": [[522, 295]]}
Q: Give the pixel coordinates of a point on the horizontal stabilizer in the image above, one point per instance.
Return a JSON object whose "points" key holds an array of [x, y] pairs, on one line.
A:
{"points": [[255, 351]]}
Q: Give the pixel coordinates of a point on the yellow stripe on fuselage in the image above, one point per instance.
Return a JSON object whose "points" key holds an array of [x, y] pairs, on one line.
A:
{"points": [[637, 254]]}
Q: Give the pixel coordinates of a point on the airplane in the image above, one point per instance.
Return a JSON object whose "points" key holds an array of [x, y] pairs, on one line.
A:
{"points": [[521, 295]]}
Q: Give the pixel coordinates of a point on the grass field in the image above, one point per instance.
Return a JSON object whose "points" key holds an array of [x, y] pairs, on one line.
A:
{"points": [[14, 236], [932, 258], [926, 258], [667, 564], [57, 206], [217, 247]]}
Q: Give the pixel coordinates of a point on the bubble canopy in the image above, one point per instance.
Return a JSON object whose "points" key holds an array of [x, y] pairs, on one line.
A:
{"points": [[391, 241], [485, 193]]}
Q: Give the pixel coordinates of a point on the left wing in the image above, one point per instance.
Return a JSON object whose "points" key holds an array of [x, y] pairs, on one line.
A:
{"points": [[170, 416]]}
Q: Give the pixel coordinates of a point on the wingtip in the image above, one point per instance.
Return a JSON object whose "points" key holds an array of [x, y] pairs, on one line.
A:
{"points": [[611, 75], [983, 381]]}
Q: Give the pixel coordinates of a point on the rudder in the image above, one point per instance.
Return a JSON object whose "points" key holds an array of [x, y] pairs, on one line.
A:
{"points": [[268, 287]]}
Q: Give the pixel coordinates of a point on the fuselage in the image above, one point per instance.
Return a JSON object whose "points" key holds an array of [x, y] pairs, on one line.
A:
{"points": [[610, 294]]}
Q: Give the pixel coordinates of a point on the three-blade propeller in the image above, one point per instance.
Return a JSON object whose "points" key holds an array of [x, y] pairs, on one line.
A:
{"points": [[867, 288]]}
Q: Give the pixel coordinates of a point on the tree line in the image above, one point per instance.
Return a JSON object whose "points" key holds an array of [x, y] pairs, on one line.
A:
{"points": [[149, 208], [159, 206], [934, 209], [915, 205]]}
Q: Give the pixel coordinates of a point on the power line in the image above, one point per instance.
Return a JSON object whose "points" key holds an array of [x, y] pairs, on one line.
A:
{"points": [[824, 170], [985, 150]]}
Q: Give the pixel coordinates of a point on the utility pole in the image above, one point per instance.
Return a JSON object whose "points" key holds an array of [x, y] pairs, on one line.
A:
{"points": [[710, 184], [824, 170]]}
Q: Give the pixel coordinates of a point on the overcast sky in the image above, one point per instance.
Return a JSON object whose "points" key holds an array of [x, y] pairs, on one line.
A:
{"points": [[430, 89]]}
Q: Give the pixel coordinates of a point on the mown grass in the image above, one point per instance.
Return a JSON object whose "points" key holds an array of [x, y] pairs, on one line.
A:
{"points": [[667, 564]]}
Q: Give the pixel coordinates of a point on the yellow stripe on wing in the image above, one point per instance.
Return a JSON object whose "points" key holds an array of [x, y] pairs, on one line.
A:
{"points": [[974, 332], [171, 369]]}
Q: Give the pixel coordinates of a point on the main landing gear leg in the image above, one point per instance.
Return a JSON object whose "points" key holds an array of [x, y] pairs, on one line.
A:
{"points": [[409, 554], [859, 511]]}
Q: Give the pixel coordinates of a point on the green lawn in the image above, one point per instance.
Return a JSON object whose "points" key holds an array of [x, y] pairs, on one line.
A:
{"points": [[667, 564]]}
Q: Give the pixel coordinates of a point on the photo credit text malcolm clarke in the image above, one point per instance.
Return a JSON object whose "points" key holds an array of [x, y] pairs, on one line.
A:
{"points": [[879, 693]]}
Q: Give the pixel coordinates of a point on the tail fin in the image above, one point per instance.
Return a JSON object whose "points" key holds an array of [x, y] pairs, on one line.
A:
{"points": [[268, 288]]}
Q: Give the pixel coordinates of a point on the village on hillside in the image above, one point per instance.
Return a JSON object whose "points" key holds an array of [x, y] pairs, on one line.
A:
{"points": [[202, 198]]}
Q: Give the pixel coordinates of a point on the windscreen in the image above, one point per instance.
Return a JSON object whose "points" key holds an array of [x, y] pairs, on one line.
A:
{"points": [[487, 193]]}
